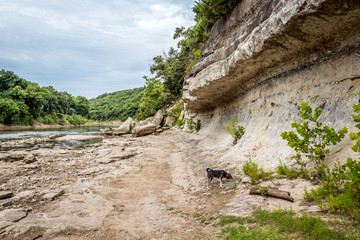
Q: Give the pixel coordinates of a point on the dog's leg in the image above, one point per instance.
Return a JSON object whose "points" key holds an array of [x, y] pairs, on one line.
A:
{"points": [[208, 183], [221, 185]]}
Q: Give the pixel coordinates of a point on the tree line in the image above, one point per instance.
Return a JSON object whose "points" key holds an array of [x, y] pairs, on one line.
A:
{"points": [[25, 102]]}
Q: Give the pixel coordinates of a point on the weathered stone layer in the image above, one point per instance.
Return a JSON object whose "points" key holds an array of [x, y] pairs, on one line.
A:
{"points": [[263, 39]]}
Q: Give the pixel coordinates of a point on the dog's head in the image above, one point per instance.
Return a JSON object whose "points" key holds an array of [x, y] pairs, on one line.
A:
{"points": [[228, 176]]}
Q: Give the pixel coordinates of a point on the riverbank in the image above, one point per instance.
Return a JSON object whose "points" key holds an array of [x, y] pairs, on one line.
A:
{"points": [[5, 127], [152, 187]]}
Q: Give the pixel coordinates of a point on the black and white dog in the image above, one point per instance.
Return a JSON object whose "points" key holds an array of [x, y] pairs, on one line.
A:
{"points": [[218, 174]]}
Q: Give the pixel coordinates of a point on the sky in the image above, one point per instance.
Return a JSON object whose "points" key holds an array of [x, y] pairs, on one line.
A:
{"points": [[88, 47]]}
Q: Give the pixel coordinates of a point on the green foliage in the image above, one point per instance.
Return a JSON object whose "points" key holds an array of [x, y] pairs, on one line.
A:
{"points": [[153, 98], [255, 173], [211, 10], [24, 102], [191, 124], [176, 110], [282, 224], [356, 136], [234, 129], [171, 67], [9, 111], [282, 169], [340, 190], [198, 125], [312, 138], [116, 106]]}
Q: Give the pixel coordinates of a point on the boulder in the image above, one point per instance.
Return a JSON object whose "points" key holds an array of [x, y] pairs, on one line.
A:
{"points": [[124, 128], [144, 130], [127, 126], [169, 121], [158, 119]]}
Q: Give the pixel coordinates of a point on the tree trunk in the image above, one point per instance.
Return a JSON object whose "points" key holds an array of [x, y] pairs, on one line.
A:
{"points": [[271, 191]]}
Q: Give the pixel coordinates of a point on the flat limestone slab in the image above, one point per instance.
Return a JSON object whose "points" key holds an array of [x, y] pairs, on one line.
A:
{"points": [[12, 215], [51, 195]]}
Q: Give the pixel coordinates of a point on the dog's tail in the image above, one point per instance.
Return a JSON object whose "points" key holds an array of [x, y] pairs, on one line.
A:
{"points": [[209, 169]]}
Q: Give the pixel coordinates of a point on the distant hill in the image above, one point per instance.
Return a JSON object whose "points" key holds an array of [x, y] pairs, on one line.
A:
{"points": [[117, 105]]}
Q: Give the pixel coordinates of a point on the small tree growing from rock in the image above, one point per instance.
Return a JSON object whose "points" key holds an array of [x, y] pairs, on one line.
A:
{"points": [[232, 127], [312, 138]]}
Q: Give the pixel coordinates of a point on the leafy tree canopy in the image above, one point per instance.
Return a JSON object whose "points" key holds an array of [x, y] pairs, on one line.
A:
{"points": [[116, 106], [24, 102]]}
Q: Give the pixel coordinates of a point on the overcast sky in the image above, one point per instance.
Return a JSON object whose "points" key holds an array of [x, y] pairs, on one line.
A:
{"points": [[88, 47]]}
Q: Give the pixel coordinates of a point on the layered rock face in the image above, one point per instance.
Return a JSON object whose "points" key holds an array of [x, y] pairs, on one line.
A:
{"points": [[266, 58]]}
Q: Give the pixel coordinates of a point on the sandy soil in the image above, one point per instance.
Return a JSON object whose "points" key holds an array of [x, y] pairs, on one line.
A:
{"points": [[152, 187]]}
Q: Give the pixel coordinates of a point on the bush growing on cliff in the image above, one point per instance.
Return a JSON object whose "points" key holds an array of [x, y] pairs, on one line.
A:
{"points": [[234, 129], [312, 138]]}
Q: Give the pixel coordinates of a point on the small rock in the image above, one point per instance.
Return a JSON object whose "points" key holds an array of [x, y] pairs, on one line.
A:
{"points": [[5, 194], [29, 158], [314, 209], [274, 175], [51, 195], [12, 215], [246, 179], [31, 166]]}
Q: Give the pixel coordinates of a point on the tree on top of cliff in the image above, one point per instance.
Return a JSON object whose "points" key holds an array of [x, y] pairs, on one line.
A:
{"points": [[209, 11], [172, 67]]}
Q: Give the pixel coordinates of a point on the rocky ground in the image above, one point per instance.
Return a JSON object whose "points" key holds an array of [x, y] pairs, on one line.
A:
{"points": [[151, 187]]}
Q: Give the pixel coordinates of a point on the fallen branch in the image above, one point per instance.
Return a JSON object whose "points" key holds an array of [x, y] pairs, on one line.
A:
{"points": [[271, 191]]}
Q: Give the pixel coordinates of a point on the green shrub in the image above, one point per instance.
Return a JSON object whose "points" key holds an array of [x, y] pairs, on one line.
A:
{"points": [[340, 190], [255, 173], [312, 138], [198, 125], [176, 111], [282, 169], [356, 136], [190, 123], [234, 129]]}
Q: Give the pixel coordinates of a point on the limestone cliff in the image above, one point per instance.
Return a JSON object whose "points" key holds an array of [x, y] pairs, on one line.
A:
{"points": [[266, 58]]}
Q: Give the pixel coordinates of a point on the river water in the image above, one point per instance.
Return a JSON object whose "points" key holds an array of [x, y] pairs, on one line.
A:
{"points": [[48, 138]]}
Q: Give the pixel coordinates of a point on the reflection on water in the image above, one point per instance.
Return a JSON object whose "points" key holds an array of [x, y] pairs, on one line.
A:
{"points": [[54, 132], [47, 138]]}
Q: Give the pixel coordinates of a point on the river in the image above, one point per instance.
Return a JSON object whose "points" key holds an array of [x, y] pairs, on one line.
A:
{"points": [[49, 138]]}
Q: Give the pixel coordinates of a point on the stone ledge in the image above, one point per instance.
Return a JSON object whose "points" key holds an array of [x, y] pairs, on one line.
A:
{"points": [[294, 34]]}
